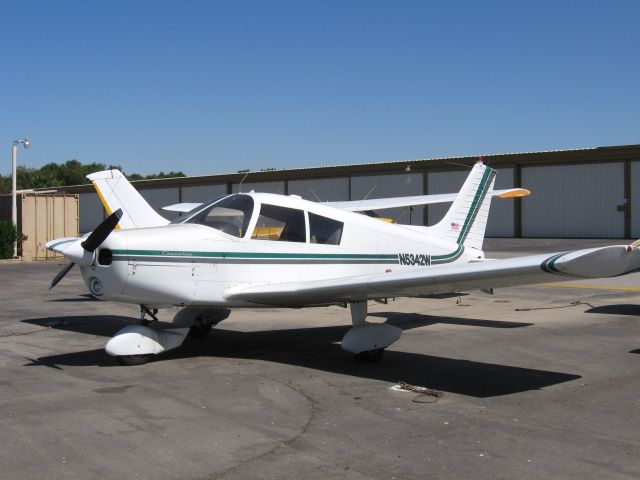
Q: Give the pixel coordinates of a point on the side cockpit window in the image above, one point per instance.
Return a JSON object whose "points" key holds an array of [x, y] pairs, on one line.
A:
{"points": [[280, 224], [324, 230], [230, 215]]}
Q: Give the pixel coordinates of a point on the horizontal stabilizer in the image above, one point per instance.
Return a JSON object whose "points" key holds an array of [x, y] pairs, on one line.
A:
{"points": [[59, 245]]}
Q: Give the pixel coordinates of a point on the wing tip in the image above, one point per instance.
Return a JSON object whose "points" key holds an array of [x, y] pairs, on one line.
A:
{"points": [[515, 193]]}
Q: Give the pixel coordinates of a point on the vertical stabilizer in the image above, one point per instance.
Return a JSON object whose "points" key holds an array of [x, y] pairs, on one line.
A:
{"points": [[466, 221], [116, 192]]}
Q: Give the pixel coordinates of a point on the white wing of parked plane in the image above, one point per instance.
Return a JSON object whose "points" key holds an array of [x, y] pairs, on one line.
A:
{"points": [[395, 202], [181, 207], [382, 203], [596, 262]]}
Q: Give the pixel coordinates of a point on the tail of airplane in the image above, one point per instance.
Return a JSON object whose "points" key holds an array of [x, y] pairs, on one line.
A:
{"points": [[466, 221], [116, 192]]}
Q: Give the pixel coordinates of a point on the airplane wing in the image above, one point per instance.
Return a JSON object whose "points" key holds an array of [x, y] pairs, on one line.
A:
{"points": [[596, 262], [181, 207], [383, 203]]}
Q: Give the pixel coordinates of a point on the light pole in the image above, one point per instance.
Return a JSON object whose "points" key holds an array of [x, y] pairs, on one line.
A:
{"points": [[14, 206]]}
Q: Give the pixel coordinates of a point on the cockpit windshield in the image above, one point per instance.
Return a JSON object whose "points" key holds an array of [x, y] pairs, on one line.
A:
{"points": [[230, 214]]}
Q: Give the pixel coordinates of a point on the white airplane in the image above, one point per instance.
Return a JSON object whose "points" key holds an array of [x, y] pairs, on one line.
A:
{"points": [[266, 250]]}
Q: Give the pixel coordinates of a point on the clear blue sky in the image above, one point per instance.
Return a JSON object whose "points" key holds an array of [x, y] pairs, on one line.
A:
{"points": [[209, 87]]}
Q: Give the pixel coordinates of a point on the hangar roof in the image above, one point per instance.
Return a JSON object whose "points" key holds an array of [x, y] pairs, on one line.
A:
{"points": [[582, 155]]}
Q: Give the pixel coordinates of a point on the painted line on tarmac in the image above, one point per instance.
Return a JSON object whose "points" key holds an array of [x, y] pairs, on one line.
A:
{"points": [[591, 287]]}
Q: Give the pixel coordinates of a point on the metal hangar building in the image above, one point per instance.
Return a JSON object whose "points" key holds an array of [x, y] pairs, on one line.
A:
{"points": [[582, 193]]}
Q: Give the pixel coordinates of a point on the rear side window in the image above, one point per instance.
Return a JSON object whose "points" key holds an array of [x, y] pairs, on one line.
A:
{"points": [[324, 230], [280, 224]]}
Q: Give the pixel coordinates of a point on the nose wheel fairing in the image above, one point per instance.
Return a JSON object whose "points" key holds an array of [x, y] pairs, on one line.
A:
{"points": [[136, 344]]}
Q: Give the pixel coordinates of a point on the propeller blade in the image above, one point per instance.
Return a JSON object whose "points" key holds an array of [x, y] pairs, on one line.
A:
{"points": [[60, 275], [102, 231]]}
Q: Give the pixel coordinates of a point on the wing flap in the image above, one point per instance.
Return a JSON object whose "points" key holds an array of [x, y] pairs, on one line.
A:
{"points": [[599, 262]]}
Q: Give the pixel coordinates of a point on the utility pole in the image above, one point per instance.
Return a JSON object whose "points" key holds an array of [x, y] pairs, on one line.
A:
{"points": [[14, 206]]}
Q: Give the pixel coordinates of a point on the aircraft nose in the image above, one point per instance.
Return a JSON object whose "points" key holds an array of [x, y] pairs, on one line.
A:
{"points": [[107, 277]]}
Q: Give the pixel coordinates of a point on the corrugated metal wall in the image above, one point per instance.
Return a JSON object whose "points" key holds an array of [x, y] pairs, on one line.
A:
{"points": [[161, 197], [202, 193], [579, 201], [635, 199], [43, 218], [394, 185], [567, 201], [321, 189], [91, 212], [266, 187]]}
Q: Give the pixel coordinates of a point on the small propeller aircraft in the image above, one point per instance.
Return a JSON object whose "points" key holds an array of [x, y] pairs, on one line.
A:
{"points": [[267, 250]]}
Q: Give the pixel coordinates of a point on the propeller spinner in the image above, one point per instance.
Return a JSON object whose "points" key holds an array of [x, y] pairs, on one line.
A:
{"points": [[77, 251]]}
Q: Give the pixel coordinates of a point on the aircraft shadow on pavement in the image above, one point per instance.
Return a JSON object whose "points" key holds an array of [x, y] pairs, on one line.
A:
{"points": [[403, 320], [80, 298], [101, 325], [621, 309], [637, 350], [318, 348]]}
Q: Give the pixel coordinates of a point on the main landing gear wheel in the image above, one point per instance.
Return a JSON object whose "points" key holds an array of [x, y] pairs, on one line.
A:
{"points": [[370, 356], [130, 360], [200, 328]]}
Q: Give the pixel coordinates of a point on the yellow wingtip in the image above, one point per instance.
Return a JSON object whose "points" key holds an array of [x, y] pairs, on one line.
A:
{"points": [[515, 193]]}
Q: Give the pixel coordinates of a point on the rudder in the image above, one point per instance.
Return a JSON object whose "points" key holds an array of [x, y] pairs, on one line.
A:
{"points": [[466, 221]]}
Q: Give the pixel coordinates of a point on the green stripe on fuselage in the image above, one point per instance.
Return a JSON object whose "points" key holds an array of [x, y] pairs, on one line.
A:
{"points": [[262, 257], [253, 255], [449, 257]]}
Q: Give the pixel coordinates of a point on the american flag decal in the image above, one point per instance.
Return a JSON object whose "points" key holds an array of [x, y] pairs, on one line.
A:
{"points": [[455, 227]]}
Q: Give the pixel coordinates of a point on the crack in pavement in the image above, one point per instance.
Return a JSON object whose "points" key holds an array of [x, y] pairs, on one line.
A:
{"points": [[286, 443]]}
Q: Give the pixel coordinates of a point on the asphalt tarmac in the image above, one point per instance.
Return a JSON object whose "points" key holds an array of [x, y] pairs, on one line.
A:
{"points": [[536, 382]]}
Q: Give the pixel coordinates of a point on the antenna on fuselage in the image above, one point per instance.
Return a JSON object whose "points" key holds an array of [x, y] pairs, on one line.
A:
{"points": [[370, 191], [314, 194], [246, 173]]}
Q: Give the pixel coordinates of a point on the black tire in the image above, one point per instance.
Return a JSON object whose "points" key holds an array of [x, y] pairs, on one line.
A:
{"points": [[200, 329], [370, 356], [131, 360]]}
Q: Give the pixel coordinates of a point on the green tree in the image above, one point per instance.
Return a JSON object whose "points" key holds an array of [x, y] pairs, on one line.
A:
{"points": [[8, 235], [71, 172]]}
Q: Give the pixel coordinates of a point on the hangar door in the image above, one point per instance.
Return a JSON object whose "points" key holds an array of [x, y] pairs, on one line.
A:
{"points": [[574, 201], [391, 185], [90, 211]]}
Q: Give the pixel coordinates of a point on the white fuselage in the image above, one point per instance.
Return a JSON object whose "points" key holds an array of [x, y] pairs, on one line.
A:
{"points": [[193, 264]]}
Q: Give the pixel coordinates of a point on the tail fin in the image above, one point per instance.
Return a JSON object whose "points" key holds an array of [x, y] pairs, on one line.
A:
{"points": [[116, 192], [466, 221]]}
